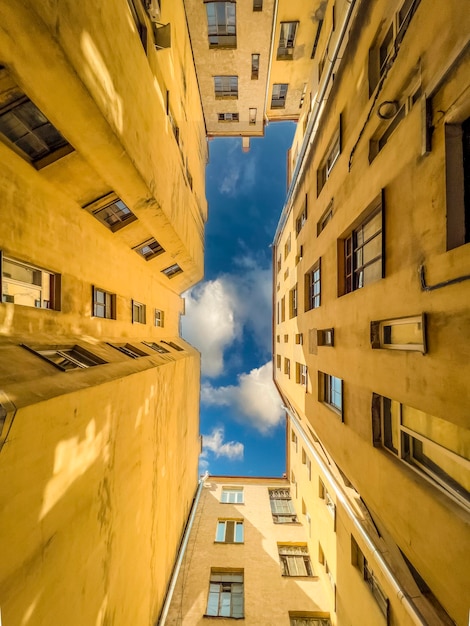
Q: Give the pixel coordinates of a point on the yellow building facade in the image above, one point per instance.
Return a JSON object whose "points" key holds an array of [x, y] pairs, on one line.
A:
{"points": [[247, 558], [372, 324], [102, 151]]}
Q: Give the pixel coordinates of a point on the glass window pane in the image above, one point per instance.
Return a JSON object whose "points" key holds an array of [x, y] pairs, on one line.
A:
{"points": [[239, 532], [220, 531]]}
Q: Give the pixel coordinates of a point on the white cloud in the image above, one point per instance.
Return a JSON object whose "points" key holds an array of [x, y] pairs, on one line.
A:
{"points": [[209, 323], [239, 174], [214, 442], [217, 312], [255, 398]]}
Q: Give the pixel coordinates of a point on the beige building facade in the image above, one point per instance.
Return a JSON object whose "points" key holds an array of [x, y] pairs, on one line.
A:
{"points": [[371, 293], [253, 60], [102, 151], [247, 558]]}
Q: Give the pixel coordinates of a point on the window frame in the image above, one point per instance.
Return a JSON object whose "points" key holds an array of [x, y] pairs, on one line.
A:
{"points": [[293, 301], [287, 35], [255, 63], [129, 350], [74, 355], [293, 555], [226, 87], [172, 270], [388, 431], [330, 158], [108, 202], [282, 507], [139, 312], [159, 318], [53, 289], [301, 218], [312, 279], [379, 334], [239, 497], [279, 95], [109, 304], [224, 33], [359, 561], [149, 249], [237, 524], [226, 586], [327, 392]]}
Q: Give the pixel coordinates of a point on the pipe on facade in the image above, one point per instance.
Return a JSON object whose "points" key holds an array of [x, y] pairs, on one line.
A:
{"points": [[182, 550], [316, 114], [409, 607], [271, 48]]}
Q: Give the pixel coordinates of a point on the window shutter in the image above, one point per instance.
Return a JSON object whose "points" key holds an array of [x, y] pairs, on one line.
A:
{"points": [[376, 420], [229, 531], [312, 341], [375, 334]]}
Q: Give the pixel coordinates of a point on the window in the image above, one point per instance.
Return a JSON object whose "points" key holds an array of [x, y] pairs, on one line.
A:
{"points": [[138, 312], [331, 391], [139, 23], [252, 116], [104, 303], [229, 531], [303, 620], [325, 218], [329, 160], [295, 560], [302, 218], [324, 495], [257, 5], [360, 562], [326, 337], [156, 346], [299, 256], [279, 263], [129, 350], [457, 155], [221, 24], [299, 339], [278, 361], [172, 270], [283, 309], [149, 249], [406, 333], [301, 374], [287, 247], [159, 318], [313, 287], [363, 253], [226, 86], [30, 130], [282, 508], [232, 495], [294, 440], [254, 66], [279, 95], [111, 211], [434, 447], [285, 49], [317, 37], [29, 285], [287, 367], [228, 117], [382, 56], [173, 345], [293, 297], [225, 594], [67, 358], [172, 119]]}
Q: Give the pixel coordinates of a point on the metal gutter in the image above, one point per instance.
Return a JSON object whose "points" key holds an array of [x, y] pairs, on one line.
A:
{"points": [[271, 48], [408, 605], [316, 114], [182, 550]]}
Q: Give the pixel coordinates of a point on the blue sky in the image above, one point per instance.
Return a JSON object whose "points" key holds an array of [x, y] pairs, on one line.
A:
{"points": [[228, 315]]}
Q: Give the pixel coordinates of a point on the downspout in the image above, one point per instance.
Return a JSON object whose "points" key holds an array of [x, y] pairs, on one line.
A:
{"points": [[409, 607], [271, 48], [182, 550], [316, 114]]}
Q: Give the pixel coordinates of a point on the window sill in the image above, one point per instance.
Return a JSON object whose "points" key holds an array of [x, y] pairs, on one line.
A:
{"points": [[221, 617], [334, 410]]}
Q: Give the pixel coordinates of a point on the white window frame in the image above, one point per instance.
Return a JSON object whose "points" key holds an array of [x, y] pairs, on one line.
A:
{"points": [[232, 495], [237, 531], [40, 289]]}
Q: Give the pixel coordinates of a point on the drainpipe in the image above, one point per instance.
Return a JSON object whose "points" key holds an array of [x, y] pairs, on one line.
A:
{"points": [[184, 544], [271, 48], [317, 112], [409, 607]]}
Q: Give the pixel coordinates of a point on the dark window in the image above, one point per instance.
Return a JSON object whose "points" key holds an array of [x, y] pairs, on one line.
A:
{"points": [[129, 350], [172, 270], [228, 117], [138, 312], [28, 285], [313, 287], [226, 86], [254, 66], [360, 562], [68, 358], [111, 211], [149, 249], [285, 49], [295, 560], [156, 346], [363, 254], [457, 146]]}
